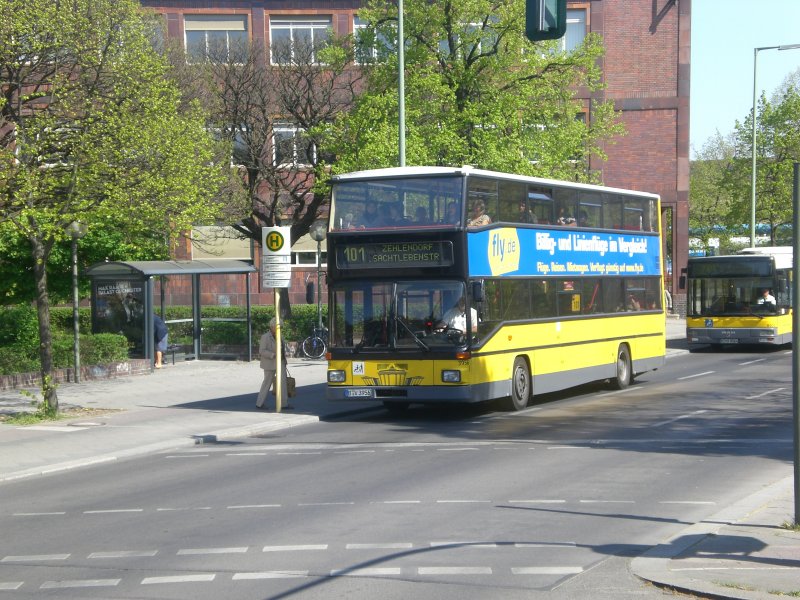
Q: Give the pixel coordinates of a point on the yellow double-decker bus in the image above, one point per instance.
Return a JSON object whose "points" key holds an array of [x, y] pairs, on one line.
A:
{"points": [[742, 298], [465, 285]]}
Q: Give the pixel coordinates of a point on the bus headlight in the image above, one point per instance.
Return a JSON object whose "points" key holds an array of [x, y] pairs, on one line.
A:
{"points": [[451, 376], [335, 376]]}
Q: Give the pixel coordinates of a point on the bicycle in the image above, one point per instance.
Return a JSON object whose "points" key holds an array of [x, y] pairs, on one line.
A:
{"points": [[315, 345]]}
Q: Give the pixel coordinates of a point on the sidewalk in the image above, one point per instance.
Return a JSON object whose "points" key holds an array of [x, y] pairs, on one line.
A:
{"points": [[741, 552]]}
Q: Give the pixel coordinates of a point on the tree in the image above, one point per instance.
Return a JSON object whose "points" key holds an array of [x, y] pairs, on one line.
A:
{"points": [[91, 131], [269, 105], [710, 191], [778, 148], [477, 92]]}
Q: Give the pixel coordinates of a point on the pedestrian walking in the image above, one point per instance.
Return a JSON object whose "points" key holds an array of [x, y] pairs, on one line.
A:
{"points": [[268, 355]]}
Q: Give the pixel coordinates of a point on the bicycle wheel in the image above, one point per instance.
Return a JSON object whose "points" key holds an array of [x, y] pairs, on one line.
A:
{"points": [[313, 347]]}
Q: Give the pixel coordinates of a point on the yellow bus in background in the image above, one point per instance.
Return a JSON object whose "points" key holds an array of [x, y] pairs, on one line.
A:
{"points": [[743, 298], [465, 285]]}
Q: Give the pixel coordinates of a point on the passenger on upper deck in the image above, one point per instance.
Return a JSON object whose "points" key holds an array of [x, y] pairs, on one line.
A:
{"points": [[370, 217], [479, 217], [421, 216], [451, 216], [526, 214]]}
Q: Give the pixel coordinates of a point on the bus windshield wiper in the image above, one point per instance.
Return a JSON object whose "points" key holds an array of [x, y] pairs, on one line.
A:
{"points": [[419, 342]]}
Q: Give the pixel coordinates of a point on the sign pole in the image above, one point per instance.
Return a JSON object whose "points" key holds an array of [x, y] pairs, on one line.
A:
{"points": [[795, 333], [278, 352]]}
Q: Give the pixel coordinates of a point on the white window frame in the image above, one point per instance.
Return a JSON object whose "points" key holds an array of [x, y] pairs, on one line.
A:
{"points": [[205, 24], [376, 53], [294, 130], [318, 27], [576, 18]]}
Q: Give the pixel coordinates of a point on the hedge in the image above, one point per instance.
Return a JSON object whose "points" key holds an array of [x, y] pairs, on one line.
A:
{"points": [[19, 333]]}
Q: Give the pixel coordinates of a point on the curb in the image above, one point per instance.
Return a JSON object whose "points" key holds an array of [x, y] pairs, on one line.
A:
{"points": [[653, 565]]}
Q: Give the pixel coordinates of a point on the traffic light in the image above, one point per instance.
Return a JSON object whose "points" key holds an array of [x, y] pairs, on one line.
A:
{"points": [[545, 19]]}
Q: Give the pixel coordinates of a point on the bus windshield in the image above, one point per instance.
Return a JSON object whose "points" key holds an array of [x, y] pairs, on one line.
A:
{"points": [[397, 203], [408, 315], [732, 296]]}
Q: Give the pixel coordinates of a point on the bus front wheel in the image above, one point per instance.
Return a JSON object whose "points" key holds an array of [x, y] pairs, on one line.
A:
{"points": [[624, 368], [520, 385]]}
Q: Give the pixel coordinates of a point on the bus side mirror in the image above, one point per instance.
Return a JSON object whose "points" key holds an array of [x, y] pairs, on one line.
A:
{"points": [[545, 19], [477, 291]]}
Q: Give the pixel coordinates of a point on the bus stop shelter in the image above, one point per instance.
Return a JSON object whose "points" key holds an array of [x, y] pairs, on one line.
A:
{"points": [[122, 297]]}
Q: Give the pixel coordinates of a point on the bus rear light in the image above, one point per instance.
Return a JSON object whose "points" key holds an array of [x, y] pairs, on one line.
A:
{"points": [[335, 376], [463, 355], [449, 376]]}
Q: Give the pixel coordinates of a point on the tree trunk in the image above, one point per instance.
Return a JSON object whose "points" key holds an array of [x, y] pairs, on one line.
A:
{"points": [[40, 255]]}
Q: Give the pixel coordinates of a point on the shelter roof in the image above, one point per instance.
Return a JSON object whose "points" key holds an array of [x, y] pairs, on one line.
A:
{"points": [[150, 268]]}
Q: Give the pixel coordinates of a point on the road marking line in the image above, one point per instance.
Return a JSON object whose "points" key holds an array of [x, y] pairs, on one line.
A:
{"points": [[750, 362], [34, 557], [457, 544], [366, 572], [668, 421], [537, 501], [192, 551], [79, 583], [113, 510], [202, 577], [391, 546], [124, 554], [699, 502], [569, 448], [38, 514], [326, 504], [696, 375], [764, 394], [10, 585], [607, 501], [298, 453], [455, 449], [246, 454], [179, 508], [546, 545], [398, 502], [454, 571], [254, 506], [269, 575], [463, 502], [62, 428], [295, 548], [187, 456], [355, 452], [546, 570]]}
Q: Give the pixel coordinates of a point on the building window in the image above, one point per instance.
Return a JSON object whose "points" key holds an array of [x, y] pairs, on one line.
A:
{"points": [[297, 39], [291, 146], [371, 46], [219, 38], [576, 29]]}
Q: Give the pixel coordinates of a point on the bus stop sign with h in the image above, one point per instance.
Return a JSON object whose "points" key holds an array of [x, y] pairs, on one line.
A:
{"points": [[276, 257]]}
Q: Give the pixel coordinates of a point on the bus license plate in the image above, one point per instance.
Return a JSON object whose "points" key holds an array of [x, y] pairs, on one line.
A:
{"points": [[729, 341], [363, 393]]}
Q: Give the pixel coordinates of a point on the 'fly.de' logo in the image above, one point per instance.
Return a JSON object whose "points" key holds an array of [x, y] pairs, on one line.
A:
{"points": [[275, 241], [503, 251]]}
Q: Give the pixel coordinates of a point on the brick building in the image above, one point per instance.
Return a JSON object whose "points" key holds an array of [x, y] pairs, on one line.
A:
{"points": [[646, 71]]}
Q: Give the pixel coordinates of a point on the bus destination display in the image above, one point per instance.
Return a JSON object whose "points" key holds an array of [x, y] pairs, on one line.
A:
{"points": [[394, 255]]}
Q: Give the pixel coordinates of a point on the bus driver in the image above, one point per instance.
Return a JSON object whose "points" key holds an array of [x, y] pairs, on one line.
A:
{"points": [[456, 318]]}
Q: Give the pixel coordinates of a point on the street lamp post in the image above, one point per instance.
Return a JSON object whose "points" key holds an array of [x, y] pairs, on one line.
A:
{"points": [[76, 231], [753, 169], [317, 233]]}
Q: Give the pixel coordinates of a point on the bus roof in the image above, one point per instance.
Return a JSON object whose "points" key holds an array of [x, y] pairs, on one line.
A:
{"points": [[396, 172], [783, 254]]}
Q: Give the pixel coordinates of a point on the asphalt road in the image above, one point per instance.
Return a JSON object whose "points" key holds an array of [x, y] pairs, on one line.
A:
{"points": [[455, 503]]}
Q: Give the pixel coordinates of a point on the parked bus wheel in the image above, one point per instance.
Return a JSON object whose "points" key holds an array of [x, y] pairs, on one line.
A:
{"points": [[520, 385], [624, 368]]}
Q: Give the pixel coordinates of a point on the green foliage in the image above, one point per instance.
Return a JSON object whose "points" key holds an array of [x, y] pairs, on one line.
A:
{"points": [[477, 92], [19, 340]]}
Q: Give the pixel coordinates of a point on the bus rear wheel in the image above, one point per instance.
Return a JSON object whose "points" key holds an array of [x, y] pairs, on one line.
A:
{"points": [[624, 368], [520, 385]]}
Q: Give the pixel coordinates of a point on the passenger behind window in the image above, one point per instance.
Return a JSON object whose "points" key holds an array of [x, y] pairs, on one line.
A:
{"points": [[370, 217], [526, 214], [451, 216], [421, 216], [396, 217], [564, 218], [479, 217], [583, 219]]}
